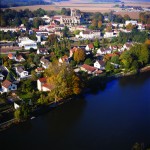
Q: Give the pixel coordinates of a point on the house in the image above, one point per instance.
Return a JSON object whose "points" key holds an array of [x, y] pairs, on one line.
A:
{"points": [[113, 48], [26, 43], [72, 51], [64, 59], [99, 64], [89, 47], [39, 70], [21, 72], [42, 85], [46, 19], [110, 34], [8, 86], [103, 51], [42, 35], [6, 29], [19, 58], [133, 22], [89, 34], [45, 63], [127, 46], [88, 69], [1, 77], [141, 27], [17, 104], [11, 56], [42, 51]]}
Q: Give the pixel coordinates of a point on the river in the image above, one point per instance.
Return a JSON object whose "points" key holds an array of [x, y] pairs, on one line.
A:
{"points": [[112, 119]]}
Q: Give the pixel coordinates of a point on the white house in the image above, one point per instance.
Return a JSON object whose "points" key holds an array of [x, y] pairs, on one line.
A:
{"points": [[42, 85], [6, 29], [42, 51], [127, 46], [21, 72], [42, 35], [45, 63], [110, 34], [16, 105], [103, 51], [89, 47], [8, 86], [19, 58], [141, 27], [27, 43], [113, 48], [99, 64], [89, 34], [46, 19], [1, 77], [64, 59]]}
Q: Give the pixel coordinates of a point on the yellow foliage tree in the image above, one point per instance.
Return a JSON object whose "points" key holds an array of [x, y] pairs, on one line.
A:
{"points": [[63, 80], [79, 55]]}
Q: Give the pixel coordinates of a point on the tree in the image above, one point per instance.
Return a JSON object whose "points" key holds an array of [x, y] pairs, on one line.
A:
{"points": [[65, 31], [96, 43], [76, 32], [22, 112], [79, 55], [37, 22], [34, 75], [109, 67], [99, 24], [63, 81], [115, 59], [126, 17], [126, 59], [52, 39], [129, 26], [88, 61]]}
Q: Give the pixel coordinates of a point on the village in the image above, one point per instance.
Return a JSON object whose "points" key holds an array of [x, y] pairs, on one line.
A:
{"points": [[67, 39]]}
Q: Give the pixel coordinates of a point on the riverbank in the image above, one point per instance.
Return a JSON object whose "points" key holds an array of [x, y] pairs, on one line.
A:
{"points": [[44, 109]]}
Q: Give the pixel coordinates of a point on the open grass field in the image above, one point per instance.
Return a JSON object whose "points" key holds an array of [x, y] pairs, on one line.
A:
{"points": [[88, 7]]}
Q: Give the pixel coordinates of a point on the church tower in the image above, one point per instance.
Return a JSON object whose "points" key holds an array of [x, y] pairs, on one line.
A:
{"points": [[73, 12]]}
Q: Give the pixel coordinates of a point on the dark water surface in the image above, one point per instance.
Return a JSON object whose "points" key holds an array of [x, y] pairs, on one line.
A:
{"points": [[112, 119]]}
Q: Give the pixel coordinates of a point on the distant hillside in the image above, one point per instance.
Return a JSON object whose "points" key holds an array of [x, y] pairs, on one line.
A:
{"points": [[106, 1], [13, 3]]}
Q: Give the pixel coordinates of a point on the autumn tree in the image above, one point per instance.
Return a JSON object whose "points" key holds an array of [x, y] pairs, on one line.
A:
{"points": [[130, 26], [79, 55], [63, 81], [99, 24]]}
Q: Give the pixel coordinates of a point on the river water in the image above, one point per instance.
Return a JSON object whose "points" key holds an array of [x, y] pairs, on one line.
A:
{"points": [[112, 119]]}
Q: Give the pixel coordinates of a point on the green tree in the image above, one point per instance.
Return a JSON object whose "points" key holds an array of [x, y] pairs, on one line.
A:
{"points": [[115, 59], [65, 31], [22, 112], [88, 61], [96, 43], [109, 67]]}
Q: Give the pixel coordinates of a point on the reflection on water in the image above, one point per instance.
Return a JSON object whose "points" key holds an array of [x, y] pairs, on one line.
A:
{"points": [[136, 80]]}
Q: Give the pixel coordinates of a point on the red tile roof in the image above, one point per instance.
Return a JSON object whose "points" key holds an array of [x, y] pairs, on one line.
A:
{"points": [[91, 46], [6, 83], [43, 80], [88, 68], [10, 55]]}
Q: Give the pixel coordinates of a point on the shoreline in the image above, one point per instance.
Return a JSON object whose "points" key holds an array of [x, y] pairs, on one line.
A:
{"points": [[45, 109]]}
